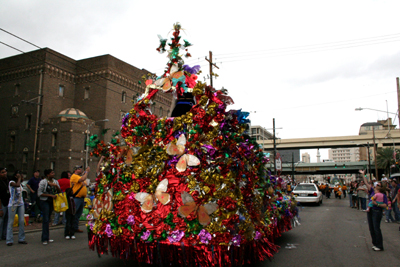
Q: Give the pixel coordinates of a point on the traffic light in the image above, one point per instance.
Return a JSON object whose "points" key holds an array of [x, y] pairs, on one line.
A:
{"points": [[335, 166], [344, 166]]}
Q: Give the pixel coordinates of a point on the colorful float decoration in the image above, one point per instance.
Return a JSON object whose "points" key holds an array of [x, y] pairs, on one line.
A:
{"points": [[190, 190]]}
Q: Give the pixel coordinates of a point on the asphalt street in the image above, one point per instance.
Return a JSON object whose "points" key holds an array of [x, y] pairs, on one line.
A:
{"points": [[329, 235]]}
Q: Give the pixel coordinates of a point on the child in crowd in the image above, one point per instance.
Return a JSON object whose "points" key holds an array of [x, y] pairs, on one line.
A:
{"points": [[389, 217], [378, 197]]}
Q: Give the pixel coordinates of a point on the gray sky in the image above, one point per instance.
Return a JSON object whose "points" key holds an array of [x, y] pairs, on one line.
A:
{"points": [[308, 64]]}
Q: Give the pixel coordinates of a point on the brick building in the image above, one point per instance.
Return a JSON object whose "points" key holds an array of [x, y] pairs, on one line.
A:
{"points": [[49, 101]]}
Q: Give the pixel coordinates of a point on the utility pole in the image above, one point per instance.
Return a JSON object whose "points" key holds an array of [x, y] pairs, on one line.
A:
{"points": [[211, 67], [273, 125], [369, 164], [293, 167], [376, 164], [398, 96]]}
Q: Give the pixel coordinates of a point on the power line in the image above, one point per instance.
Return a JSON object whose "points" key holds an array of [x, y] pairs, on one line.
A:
{"points": [[316, 46], [12, 47], [294, 53]]}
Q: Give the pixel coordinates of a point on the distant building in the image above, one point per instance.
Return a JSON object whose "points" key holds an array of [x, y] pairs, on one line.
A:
{"points": [[379, 126], [339, 155], [49, 101], [259, 133], [305, 157]]}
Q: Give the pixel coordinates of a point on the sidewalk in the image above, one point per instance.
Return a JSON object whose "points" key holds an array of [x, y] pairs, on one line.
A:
{"points": [[37, 227]]}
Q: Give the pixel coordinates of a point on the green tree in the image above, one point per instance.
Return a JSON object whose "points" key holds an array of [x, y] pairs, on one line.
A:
{"points": [[384, 158]]}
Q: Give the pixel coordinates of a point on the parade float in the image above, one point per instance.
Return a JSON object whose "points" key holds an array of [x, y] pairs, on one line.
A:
{"points": [[187, 190]]}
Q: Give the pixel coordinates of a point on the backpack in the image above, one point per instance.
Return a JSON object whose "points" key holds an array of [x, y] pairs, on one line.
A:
{"points": [[71, 203]]}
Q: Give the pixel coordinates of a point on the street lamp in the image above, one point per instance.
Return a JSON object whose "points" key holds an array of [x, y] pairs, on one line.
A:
{"points": [[87, 140], [359, 109]]}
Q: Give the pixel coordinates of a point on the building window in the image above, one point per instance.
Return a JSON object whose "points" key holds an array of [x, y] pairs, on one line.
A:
{"points": [[161, 112], [53, 139], [52, 165], [123, 97], [17, 87], [12, 143], [14, 111], [25, 158], [61, 90], [28, 122], [86, 93]]}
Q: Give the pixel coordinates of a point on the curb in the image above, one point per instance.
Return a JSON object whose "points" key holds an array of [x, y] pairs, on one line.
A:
{"points": [[51, 228]]}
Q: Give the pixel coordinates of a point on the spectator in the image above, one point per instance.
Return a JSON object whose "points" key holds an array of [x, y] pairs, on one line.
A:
{"points": [[374, 215], [395, 204], [16, 206], [47, 190], [362, 194], [328, 191], [64, 184], [344, 189], [79, 189], [69, 232], [4, 199], [351, 195], [389, 217], [33, 185]]}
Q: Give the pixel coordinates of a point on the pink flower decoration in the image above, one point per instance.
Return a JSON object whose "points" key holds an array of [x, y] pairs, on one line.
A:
{"points": [[236, 240], [258, 235], [145, 235], [108, 231], [176, 236], [131, 220], [204, 236]]}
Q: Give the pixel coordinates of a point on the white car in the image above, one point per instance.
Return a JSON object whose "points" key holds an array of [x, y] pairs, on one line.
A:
{"points": [[308, 193]]}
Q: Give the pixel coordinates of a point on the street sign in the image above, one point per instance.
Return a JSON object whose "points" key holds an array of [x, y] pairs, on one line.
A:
{"points": [[278, 164]]}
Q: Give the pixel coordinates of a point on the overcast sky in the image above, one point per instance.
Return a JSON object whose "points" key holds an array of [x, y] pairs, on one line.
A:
{"points": [[308, 64]]}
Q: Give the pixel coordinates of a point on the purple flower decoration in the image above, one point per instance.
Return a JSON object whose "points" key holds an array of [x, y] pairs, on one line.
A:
{"points": [[204, 236], [258, 235], [145, 235], [108, 231], [236, 240], [91, 225], [191, 70], [125, 119], [131, 220], [176, 236]]}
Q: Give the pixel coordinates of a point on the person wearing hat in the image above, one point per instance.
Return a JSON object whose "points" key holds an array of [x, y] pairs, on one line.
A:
{"points": [[33, 185], [79, 189]]}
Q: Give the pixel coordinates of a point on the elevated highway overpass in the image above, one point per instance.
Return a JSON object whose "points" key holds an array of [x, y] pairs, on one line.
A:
{"points": [[324, 168], [382, 139]]}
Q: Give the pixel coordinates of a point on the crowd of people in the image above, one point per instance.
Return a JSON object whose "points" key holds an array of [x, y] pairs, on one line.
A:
{"points": [[42, 192], [379, 199]]}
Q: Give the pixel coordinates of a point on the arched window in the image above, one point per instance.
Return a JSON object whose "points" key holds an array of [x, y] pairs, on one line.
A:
{"points": [[123, 97], [161, 112]]}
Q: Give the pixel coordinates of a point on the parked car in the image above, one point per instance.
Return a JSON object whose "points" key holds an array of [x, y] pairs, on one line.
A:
{"points": [[308, 193]]}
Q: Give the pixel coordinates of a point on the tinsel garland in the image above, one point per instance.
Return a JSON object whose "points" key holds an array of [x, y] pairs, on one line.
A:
{"points": [[191, 190]]}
